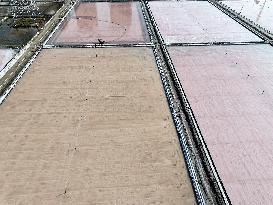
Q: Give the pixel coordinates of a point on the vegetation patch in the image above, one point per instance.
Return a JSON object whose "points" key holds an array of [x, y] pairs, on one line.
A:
{"points": [[28, 22]]}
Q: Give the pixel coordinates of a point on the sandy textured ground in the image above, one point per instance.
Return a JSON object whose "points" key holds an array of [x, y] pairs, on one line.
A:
{"points": [[90, 126], [230, 90]]}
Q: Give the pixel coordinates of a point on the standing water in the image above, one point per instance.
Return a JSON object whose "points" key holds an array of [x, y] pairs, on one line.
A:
{"points": [[25, 19]]}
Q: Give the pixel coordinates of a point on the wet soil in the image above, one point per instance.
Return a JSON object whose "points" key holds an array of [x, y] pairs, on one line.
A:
{"points": [[16, 32]]}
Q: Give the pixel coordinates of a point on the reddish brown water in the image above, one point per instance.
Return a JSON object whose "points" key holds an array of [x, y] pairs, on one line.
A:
{"points": [[197, 22], [230, 90], [110, 22]]}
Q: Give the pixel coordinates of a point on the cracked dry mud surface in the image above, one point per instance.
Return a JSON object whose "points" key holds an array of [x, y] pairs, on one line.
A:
{"points": [[91, 126]]}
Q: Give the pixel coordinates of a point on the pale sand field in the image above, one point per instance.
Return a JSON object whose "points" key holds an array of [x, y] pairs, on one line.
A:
{"points": [[91, 126]]}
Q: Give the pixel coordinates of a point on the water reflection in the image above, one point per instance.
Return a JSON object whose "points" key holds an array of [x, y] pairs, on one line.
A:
{"points": [[103, 22], [17, 36], [86, 16], [121, 14]]}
